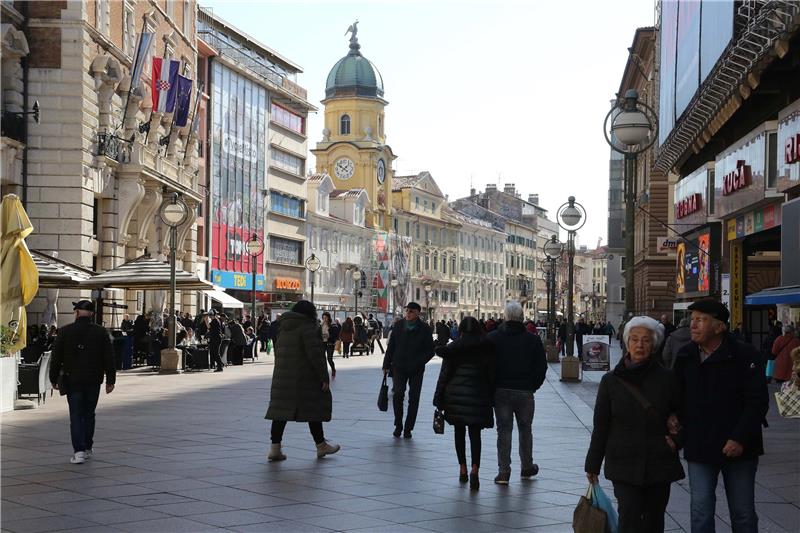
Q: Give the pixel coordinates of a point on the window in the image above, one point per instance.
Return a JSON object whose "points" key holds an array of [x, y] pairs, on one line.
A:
{"points": [[427, 262], [433, 207], [454, 296], [622, 264], [425, 205], [444, 264], [322, 201], [285, 251], [128, 30], [426, 232], [287, 119], [622, 293], [417, 229], [408, 228], [417, 264], [287, 162], [435, 261], [396, 226], [102, 16], [286, 205], [344, 125], [417, 293], [444, 296], [168, 9], [358, 215], [187, 17]]}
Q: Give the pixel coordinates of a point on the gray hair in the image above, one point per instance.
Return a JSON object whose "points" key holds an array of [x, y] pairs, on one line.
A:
{"points": [[685, 322], [655, 327], [514, 312]]}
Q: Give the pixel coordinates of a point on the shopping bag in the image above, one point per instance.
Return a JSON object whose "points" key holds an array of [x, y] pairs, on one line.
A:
{"points": [[438, 422], [788, 401], [587, 518], [338, 346], [269, 346], [602, 502], [383, 396], [770, 367]]}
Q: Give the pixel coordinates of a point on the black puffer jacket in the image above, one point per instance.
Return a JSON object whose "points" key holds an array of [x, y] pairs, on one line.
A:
{"points": [[300, 370], [83, 350], [631, 440], [466, 382], [409, 350]]}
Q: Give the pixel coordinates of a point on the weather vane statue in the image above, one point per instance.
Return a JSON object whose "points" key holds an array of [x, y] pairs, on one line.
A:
{"points": [[354, 30]]}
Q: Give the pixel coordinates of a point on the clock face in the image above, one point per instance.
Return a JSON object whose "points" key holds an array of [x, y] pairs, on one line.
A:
{"points": [[344, 168], [381, 171]]}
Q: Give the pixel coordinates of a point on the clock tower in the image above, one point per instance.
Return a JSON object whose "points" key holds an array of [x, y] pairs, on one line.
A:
{"points": [[353, 149]]}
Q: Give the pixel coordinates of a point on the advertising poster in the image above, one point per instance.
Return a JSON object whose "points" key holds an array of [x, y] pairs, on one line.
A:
{"points": [[595, 353], [704, 264]]}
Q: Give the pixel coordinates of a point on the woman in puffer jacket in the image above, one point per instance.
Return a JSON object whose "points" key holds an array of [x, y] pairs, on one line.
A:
{"points": [[465, 391]]}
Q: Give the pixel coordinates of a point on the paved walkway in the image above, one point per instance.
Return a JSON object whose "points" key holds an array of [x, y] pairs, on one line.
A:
{"points": [[187, 453]]}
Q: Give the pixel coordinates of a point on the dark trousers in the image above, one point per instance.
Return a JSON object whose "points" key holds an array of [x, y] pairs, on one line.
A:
{"points": [[372, 342], [213, 348], [278, 426], [641, 509], [82, 400], [346, 349], [263, 343], [329, 348], [460, 432], [236, 354], [399, 383]]}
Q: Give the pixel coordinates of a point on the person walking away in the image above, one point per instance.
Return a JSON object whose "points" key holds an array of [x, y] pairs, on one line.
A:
{"points": [[521, 366], [376, 331], [409, 350], [263, 333], [679, 338], [238, 342], [630, 430], [562, 337], [215, 340], [781, 349], [329, 338], [465, 391], [442, 333], [669, 327], [724, 401], [83, 353], [346, 336], [300, 390]]}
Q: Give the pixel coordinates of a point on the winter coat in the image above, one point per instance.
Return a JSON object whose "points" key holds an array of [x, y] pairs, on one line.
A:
{"points": [[238, 337], [300, 370], [442, 333], [263, 331], [677, 340], [723, 398], [346, 333], [466, 382], [83, 350], [630, 439], [521, 363], [782, 348], [409, 350]]}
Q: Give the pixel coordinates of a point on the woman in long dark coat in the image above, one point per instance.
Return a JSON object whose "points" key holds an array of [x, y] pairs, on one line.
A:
{"points": [[465, 390], [300, 385]]}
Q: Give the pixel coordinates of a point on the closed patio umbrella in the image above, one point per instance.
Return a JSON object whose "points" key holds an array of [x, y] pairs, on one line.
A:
{"points": [[19, 278]]}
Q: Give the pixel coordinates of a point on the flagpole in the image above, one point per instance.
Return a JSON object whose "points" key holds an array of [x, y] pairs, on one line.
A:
{"points": [[200, 87], [164, 141], [133, 66], [145, 127]]}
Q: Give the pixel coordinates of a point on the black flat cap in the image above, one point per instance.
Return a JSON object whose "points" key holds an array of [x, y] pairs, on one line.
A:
{"points": [[413, 305], [711, 307], [83, 305]]}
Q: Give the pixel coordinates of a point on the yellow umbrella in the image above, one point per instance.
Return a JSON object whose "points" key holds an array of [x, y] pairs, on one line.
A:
{"points": [[19, 277]]}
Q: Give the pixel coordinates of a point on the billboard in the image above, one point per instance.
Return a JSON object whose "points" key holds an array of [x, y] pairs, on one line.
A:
{"points": [[694, 265], [740, 174], [595, 353], [789, 147]]}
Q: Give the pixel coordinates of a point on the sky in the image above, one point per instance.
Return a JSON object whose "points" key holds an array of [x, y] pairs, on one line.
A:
{"points": [[500, 91]]}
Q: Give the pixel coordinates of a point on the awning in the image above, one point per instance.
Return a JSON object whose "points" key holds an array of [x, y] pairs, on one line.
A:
{"points": [[227, 301], [58, 274], [775, 295], [146, 273]]}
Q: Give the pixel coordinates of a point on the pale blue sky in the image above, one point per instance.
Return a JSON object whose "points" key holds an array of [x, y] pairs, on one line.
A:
{"points": [[479, 92]]}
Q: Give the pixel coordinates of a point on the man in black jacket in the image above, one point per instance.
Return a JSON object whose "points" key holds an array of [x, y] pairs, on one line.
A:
{"points": [[724, 402], [521, 368], [409, 350], [84, 354]]}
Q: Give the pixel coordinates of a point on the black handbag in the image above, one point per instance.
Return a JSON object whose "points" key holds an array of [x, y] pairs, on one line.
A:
{"points": [[62, 383], [438, 422], [383, 396]]}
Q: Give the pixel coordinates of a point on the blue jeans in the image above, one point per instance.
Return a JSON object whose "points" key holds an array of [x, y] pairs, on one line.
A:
{"points": [[509, 404], [740, 479], [82, 401]]}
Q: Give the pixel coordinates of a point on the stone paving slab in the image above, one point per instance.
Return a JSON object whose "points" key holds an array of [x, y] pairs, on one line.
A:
{"points": [[188, 453]]}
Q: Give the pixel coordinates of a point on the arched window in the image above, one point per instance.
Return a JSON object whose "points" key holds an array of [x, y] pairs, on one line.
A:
{"points": [[344, 125]]}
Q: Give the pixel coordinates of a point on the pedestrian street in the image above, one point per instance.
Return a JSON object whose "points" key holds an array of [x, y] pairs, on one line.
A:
{"points": [[187, 453]]}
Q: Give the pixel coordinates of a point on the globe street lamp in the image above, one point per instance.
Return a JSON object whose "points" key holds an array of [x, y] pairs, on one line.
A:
{"points": [[255, 247], [571, 217], [356, 278], [552, 250], [312, 264], [631, 131], [173, 213]]}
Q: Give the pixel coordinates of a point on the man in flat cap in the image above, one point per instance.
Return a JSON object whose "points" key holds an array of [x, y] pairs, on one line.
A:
{"points": [[724, 402], [409, 350], [82, 356]]}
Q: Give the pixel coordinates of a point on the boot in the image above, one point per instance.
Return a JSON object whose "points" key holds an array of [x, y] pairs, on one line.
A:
{"points": [[326, 448], [275, 453]]}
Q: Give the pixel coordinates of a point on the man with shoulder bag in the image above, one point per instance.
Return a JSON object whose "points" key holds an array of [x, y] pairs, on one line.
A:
{"points": [[82, 357]]}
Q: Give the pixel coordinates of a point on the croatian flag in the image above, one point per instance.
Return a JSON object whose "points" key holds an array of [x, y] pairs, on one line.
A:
{"points": [[183, 99], [165, 88]]}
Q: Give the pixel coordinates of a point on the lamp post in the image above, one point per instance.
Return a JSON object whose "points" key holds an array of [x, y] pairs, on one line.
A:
{"points": [[586, 306], [312, 264], [605, 303], [571, 217], [631, 131], [356, 278], [552, 251], [173, 213], [478, 293], [255, 247], [394, 283], [428, 289]]}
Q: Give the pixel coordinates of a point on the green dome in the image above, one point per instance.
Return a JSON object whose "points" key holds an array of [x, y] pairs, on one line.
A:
{"points": [[354, 75]]}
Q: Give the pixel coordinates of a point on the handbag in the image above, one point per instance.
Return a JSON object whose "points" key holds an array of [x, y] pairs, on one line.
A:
{"points": [[602, 502], [383, 396], [788, 401], [587, 518], [338, 346], [62, 382], [438, 422]]}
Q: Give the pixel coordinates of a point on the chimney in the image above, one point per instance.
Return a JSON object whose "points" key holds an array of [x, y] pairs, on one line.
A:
{"points": [[510, 189], [533, 199], [491, 187]]}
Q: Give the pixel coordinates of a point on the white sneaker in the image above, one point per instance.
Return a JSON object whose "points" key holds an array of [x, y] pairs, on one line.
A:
{"points": [[89, 453], [78, 459]]}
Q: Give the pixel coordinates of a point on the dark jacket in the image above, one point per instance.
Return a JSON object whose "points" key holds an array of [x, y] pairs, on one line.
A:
{"points": [[724, 398], [238, 337], [263, 330], [274, 331], [442, 333], [631, 440], [300, 370], [521, 361], [466, 382], [214, 331], [677, 340], [83, 349], [409, 350]]}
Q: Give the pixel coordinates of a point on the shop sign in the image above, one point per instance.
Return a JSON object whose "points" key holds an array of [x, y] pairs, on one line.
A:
{"points": [[737, 288], [788, 170], [687, 206], [237, 280], [740, 172], [287, 283], [737, 179], [691, 194], [667, 244], [755, 221]]}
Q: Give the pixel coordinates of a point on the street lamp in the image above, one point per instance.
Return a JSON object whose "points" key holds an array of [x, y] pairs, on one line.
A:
{"points": [[571, 217], [173, 213], [428, 289], [312, 264], [356, 278], [631, 131], [586, 306], [394, 283], [552, 250], [255, 247]]}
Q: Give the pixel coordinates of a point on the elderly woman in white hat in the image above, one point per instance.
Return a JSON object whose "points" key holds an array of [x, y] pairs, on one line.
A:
{"points": [[634, 402]]}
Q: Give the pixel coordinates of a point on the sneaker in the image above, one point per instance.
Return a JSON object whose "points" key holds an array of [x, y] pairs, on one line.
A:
{"points": [[502, 478], [89, 453], [529, 472], [78, 459], [326, 448], [275, 453]]}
